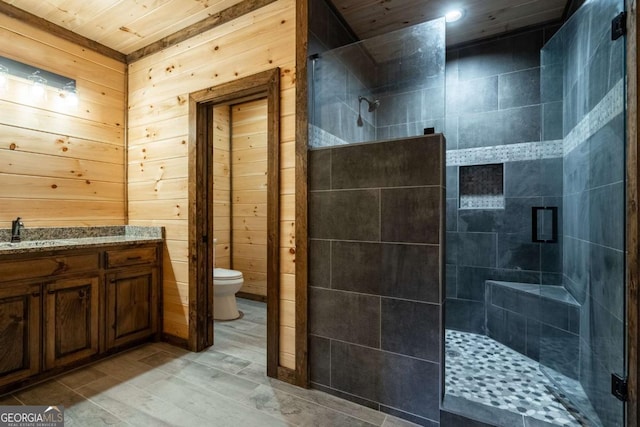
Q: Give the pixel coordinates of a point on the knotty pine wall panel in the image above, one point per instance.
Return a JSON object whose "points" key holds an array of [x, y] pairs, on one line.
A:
{"points": [[249, 193], [222, 184], [159, 88], [60, 164]]}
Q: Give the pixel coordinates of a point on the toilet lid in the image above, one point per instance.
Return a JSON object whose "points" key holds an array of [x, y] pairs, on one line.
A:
{"points": [[225, 274]]}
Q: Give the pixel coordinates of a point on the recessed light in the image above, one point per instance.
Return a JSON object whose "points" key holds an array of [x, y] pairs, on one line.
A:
{"points": [[453, 15]]}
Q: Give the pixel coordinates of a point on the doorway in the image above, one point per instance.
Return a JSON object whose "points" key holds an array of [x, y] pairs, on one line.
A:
{"points": [[250, 91]]}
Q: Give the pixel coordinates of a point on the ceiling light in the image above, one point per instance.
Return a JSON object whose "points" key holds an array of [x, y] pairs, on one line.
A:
{"points": [[453, 15]]}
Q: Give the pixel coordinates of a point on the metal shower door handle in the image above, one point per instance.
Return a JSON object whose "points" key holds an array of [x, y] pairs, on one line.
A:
{"points": [[535, 232]]}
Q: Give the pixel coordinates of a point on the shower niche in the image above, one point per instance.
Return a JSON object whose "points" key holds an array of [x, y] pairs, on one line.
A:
{"points": [[482, 186]]}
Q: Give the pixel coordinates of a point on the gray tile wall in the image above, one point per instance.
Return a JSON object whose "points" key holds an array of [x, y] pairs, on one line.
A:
{"points": [[339, 77], [593, 265], [410, 87], [493, 99], [552, 314], [376, 261]]}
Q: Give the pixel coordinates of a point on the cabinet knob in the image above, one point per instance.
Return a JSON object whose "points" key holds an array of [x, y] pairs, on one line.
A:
{"points": [[51, 291]]}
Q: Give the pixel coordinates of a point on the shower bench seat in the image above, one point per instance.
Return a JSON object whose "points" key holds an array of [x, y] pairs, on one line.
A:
{"points": [[539, 321]]}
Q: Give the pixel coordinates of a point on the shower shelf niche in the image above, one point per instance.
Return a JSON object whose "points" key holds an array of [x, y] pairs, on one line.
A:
{"points": [[482, 186]]}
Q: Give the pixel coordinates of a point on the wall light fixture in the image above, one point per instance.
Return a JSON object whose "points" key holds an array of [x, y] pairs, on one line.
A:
{"points": [[4, 75], [39, 80]]}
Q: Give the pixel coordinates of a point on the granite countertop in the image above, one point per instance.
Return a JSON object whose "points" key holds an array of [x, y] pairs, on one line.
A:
{"points": [[45, 239]]}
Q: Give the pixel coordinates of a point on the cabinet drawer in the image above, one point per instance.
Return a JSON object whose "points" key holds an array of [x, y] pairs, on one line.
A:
{"points": [[47, 267], [135, 256]]}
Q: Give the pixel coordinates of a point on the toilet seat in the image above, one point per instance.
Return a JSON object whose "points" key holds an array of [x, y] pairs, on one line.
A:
{"points": [[224, 274]]}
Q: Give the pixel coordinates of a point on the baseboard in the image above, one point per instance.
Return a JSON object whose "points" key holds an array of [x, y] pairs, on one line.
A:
{"points": [[253, 297], [174, 340]]}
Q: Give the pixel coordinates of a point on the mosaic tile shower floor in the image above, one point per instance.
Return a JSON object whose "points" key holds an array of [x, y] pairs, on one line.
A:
{"points": [[484, 371]]}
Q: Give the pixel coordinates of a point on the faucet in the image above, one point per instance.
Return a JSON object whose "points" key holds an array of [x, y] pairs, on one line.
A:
{"points": [[15, 230]]}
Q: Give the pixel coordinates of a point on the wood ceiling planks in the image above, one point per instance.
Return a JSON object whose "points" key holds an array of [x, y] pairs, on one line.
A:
{"points": [[124, 25], [483, 18]]}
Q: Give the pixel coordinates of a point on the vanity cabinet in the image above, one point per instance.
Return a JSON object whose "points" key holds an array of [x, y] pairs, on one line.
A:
{"points": [[62, 308], [71, 318], [19, 332]]}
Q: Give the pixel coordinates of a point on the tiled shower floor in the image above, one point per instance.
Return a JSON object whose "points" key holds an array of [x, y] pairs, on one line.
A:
{"points": [[481, 370]]}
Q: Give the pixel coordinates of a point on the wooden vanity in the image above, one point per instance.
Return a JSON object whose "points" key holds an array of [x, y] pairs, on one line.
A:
{"points": [[68, 304]]}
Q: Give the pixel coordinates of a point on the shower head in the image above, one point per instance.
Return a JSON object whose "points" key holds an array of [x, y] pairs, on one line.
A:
{"points": [[373, 106]]}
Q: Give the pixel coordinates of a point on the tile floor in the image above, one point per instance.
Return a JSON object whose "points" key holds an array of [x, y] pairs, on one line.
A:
{"points": [[486, 372], [161, 385]]}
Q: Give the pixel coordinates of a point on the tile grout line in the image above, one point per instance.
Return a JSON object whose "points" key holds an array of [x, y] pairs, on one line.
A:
{"points": [[222, 396], [88, 399]]}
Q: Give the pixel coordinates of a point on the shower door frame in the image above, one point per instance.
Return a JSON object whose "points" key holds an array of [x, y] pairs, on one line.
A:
{"points": [[632, 273]]}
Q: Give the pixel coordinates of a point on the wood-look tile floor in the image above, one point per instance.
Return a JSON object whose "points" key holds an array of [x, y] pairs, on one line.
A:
{"points": [[161, 385]]}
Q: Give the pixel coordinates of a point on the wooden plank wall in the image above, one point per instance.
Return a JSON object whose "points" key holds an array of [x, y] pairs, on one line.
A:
{"points": [[222, 185], [159, 87], [249, 193], [61, 164]]}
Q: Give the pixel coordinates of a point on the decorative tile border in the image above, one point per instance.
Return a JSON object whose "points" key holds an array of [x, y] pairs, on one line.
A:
{"points": [[607, 109], [505, 153], [481, 201]]}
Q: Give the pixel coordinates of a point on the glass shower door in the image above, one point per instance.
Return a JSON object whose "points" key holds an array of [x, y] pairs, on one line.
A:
{"points": [[582, 327]]}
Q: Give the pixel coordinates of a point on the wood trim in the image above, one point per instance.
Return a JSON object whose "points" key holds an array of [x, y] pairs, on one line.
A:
{"points": [[633, 229], [273, 224], [220, 18], [174, 340], [201, 103], [193, 246], [287, 375], [125, 147], [302, 126], [35, 21]]}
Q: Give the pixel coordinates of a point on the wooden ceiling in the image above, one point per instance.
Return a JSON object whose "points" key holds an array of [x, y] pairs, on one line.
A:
{"points": [[128, 27], [124, 25], [482, 18]]}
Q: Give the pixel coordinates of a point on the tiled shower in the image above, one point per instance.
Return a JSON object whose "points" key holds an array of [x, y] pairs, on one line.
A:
{"points": [[534, 266]]}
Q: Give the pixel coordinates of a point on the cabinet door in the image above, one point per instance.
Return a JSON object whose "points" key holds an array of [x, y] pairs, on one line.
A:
{"points": [[19, 332], [71, 322], [131, 305]]}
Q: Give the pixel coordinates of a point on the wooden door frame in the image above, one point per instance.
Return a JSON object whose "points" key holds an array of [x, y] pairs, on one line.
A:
{"points": [[262, 85]]}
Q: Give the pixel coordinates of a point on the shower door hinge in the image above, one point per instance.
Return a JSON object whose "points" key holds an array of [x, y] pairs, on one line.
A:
{"points": [[620, 387], [619, 26]]}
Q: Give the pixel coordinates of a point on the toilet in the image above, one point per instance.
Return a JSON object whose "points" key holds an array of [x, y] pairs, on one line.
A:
{"points": [[225, 285]]}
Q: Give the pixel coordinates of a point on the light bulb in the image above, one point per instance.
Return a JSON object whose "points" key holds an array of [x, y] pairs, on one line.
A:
{"points": [[4, 73], [453, 15], [37, 88], [70, 94]]}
